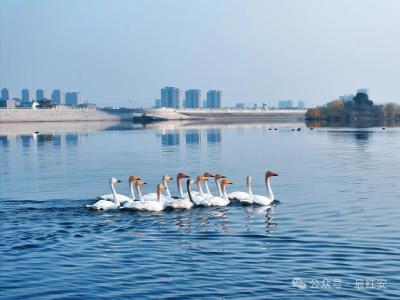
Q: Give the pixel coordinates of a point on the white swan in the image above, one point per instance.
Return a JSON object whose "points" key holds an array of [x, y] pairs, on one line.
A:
{"points": [[108, 204], [242, 196], [179, 178], [149, 205], [269, 198], [135, 203], [207, 175], [121, 198], [217, 178], [155, 205], [200, 198], [153, 196], [220, 201]]}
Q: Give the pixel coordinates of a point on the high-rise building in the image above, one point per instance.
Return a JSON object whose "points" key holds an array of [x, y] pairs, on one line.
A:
{"points": [[5, 95], [214, 99], [25, 95], [39, 94], [240, 105], [157, 103], [192, 98], [300, 105], [57, 96], [72, 98], [285, 104], [170, 97]]}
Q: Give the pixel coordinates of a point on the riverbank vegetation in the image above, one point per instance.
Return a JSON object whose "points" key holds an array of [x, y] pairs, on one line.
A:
{"points": [[359, 108]]}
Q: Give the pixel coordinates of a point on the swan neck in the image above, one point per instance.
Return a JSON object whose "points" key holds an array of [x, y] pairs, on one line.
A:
{"points": [[179, 185], [249, 190], [218, 187], [189, 192], [270, 194], [166, 188], [115, 200], [139, 193], [200, 188], [223, 192], [206, 186], [133, 196], [158, 195]]}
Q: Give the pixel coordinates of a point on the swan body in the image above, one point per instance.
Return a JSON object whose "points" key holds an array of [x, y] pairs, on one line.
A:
{"points": [[120, 197], [156, 205], [220, 201], [263, 200], [153, 196], [242, 196], [109, 197], [200, 198], [107, 204], [104, 205]]}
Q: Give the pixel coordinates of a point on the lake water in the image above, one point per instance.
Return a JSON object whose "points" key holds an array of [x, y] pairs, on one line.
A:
{"points": [[333, 233]]}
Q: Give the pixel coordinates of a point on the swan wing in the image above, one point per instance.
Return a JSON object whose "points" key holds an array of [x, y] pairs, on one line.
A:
{"points": [[133, 204], [262, 200], [153, 206], [218, 201], [103, 205], [121, 198], [238, 195]]}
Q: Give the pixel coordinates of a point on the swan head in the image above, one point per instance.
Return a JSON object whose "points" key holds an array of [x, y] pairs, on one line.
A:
{"points": [[201, 178], [218, 176], [249, 180], [114, 180], [133, 179], [181, 176], [208, 174], [160, 187], [226, 182], [166, 177], [140, 182], [270, 174]]}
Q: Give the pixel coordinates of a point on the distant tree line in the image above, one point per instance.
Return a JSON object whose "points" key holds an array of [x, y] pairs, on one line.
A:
{"points": [[359, 108]]}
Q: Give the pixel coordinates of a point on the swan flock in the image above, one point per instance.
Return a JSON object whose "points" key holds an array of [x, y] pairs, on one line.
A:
{"points": [[163, 198]]}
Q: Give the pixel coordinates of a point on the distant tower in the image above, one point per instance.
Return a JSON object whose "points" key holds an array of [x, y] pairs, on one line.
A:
{"points": [[192, 98], [39, 94], [157, 103], [5, 95], [25, 95], [300, 105], [72, 98], [170, 97], [57, 96], [214, 99]]}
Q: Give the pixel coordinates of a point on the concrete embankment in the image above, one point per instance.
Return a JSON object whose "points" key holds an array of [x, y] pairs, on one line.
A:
{"points": [[221, 115], [64, 115]]}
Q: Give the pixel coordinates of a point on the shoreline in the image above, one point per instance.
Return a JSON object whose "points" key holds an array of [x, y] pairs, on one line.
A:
{"points": [[16, 115]]}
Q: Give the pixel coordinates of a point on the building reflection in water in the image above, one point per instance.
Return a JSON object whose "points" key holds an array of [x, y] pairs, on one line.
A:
{"points": [[214, 135], [193, 136], [170, 138], [42, 139], [3, 140]]}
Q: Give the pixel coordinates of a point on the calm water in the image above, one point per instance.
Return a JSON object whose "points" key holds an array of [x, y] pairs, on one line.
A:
{"points": [[336, 226]]}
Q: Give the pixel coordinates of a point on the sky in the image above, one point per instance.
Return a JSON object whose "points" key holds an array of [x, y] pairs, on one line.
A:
{"points": [[121, 52]]}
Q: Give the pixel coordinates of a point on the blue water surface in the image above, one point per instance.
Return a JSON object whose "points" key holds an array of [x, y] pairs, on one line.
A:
{"points": [[334, 232]]}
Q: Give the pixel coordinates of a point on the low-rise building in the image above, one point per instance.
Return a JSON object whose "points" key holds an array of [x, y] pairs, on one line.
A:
{"points": [[9, 103]]}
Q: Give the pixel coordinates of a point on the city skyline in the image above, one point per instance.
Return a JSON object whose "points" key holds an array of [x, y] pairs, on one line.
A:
{"points": [[270, 50]]}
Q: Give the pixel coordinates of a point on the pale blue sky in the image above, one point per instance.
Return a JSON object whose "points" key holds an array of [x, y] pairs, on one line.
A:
{"points": [[116, 51]]}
